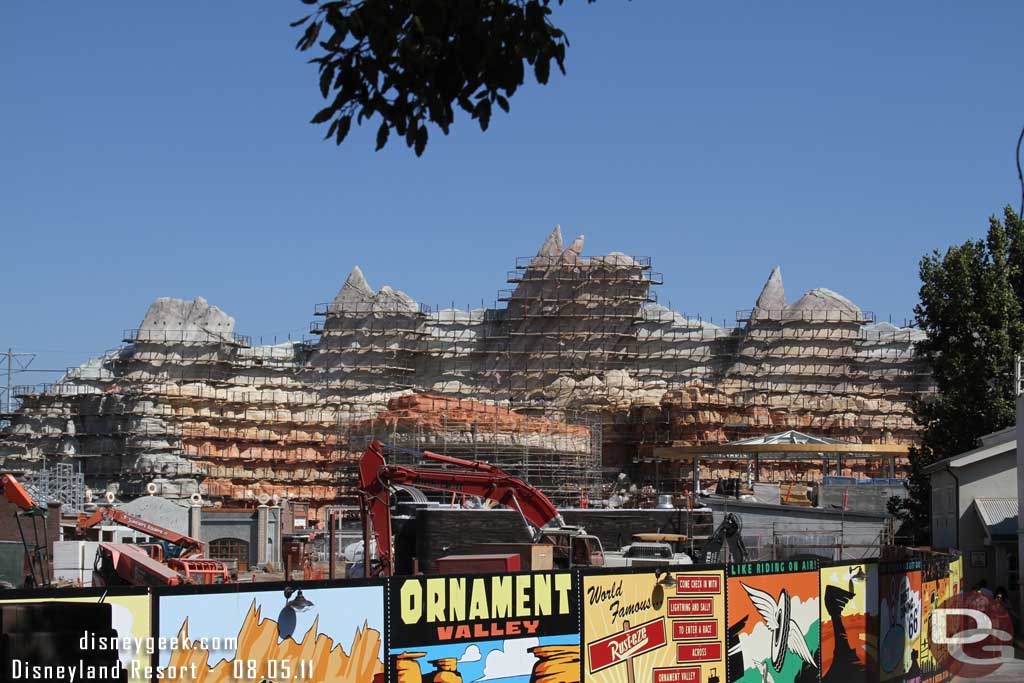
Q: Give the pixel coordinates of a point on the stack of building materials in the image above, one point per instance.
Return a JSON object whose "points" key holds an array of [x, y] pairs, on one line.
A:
{"points": [[73, 561]]}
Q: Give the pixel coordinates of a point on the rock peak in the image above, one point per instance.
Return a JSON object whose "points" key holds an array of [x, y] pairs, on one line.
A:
{"points": [[356, 289], [773, 295], [180, 320], [553, 244], [826, 301], [574, 251]]}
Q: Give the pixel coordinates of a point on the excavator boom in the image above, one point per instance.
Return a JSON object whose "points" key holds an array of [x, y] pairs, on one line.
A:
{"points": [[124, 564], [480, 479], [728, 533], [37, 551], [16, 493]]}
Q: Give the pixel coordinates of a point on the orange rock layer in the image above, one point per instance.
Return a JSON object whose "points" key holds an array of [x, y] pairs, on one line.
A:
{"points": [[556, 664], [432, 413]]}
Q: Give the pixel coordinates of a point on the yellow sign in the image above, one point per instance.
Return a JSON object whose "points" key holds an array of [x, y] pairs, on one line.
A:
{"points": [[658, 626]]}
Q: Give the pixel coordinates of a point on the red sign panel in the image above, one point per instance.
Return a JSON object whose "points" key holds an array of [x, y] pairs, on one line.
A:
{"points": [[698, 583], [685, 674], [691, 607], [630, 643], [698, 652], [695, 630]]}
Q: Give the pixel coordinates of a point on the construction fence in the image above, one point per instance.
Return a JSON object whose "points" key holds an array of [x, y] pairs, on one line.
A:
{"points": [[854, 621]]}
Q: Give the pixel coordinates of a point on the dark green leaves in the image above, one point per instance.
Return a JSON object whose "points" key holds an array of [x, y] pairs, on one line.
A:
{"points": [[309, 36], [326, 76], [971, 310], [421, 140], [411, 62], [323, 115], [344, 123], [542, 69]]}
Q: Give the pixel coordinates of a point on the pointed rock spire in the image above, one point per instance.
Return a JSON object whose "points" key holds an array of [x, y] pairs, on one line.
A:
{"points": [[355, 290], [772, 300], [574, 251], [553, 244]]}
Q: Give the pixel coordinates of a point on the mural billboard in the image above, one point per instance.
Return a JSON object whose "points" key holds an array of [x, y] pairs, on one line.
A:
{"points": [[774, 621], [901, 616], [849, 622], [516, 628], [657, 626], [90, 632], [939, 583], [318, 631], [956, 575]]}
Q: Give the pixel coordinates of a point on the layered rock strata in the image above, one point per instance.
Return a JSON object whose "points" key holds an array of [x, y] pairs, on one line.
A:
{"points": [[193, 407]]}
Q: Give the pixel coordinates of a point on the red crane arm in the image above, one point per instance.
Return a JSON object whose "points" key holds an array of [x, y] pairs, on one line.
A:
{"points": [[190, 546], [14, 492], [376, 478], [135, 567]]}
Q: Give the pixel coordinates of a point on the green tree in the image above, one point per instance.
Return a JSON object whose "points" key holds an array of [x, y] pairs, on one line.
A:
{"points": [[971, 305], [410, 62]]}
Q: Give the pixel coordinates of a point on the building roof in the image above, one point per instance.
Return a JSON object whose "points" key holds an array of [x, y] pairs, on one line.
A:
{"points": [[992, 445], [999, 517], [791, 436], [790, 443]]}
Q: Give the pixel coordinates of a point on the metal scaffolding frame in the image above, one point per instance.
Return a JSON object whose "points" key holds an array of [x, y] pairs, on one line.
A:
{"points": [[58, 483]]}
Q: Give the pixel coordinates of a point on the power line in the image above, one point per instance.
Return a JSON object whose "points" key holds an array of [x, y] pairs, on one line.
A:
{"points": [[8, 361]]}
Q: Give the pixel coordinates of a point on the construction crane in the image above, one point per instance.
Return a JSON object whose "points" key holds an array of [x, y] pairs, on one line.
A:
{"points": [[127, 564], [572, 545], [37, 554], [173, 544], [176, 559]]}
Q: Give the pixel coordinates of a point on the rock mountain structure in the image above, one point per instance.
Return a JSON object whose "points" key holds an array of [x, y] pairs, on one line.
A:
{"points": [[578, 354]]}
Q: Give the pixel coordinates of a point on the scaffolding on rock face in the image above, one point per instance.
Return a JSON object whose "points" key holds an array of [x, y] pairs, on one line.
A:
{"points": [[568, 317], [819, 316], [560, 456], [189, 337], [571, 333]]}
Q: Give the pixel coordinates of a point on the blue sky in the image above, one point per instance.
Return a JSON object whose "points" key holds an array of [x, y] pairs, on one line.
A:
{"points": [[153, 150], [507, 661]]}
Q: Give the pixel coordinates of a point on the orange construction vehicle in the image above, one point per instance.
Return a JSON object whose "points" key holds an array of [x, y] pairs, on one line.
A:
{"points": [[175, 559], [37, 552], [572, 546], [126, 564], [172, 543]]}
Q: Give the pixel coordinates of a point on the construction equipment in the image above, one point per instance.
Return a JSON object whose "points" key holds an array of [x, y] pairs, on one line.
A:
{"points": [[172, 544], [651, 550], [174, 559], [37, 554], [572, 546], [126, 564], [727, 534]]}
